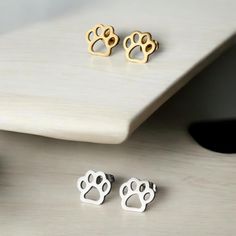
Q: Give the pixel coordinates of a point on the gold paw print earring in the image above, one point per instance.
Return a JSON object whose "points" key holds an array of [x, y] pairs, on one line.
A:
{"points": [[104, 33], [144, 41]]}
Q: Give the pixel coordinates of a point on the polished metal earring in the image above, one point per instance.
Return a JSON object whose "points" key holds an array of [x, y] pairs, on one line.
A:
{"points": [[104, 33], [145, 190], [98, 180], [144, 41]]}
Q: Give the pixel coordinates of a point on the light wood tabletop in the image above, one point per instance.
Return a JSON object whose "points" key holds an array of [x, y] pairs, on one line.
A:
{"points": [[197, 187]]}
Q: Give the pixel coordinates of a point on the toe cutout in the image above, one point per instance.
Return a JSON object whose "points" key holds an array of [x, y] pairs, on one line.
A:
{"points": [[144, 39], [142, 188], [125, 190], [146, 196], [90, 178], [107, 33], [104, 187], [98, 31], [149, 48], [111, 41], [83, 185], [136, 38], [99, 179], [133, 185], [90, 35], [128, 42]]}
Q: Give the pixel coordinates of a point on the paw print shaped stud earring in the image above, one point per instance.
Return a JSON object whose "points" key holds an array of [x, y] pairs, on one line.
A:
{"points": [[100, 181], [144, 190], [104, 33], [144, 41]]}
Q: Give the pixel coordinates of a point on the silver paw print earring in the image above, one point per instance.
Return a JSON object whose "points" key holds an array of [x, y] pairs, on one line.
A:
{"points": [[145, 190], [99, 180]]}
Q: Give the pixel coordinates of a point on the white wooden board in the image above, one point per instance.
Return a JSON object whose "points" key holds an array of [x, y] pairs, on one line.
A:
{"points": [[51, 86]]}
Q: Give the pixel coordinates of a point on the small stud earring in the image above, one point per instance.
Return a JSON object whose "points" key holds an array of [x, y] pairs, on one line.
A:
{"points": [[144, 41], [104, 33], [145, 190], [99, 180]]}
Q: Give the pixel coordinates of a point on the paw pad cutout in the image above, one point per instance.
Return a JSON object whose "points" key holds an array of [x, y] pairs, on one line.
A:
{"points": [[98, 180], [144, 41], [145, 191], [104, 33]]}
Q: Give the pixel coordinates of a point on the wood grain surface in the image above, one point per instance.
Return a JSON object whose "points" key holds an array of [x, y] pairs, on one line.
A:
{"points": [[51, 86], [197, 187]]}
